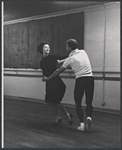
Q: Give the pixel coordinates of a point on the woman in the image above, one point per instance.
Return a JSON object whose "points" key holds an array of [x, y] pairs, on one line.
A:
{"points": [[55, 88]]}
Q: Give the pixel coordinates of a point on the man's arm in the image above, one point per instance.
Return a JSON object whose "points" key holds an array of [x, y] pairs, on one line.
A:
{"points": [[56, 73], [60, 61]]}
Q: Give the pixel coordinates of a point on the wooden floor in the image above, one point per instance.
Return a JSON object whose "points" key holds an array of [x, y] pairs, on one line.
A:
{"points": [[29, 125]]}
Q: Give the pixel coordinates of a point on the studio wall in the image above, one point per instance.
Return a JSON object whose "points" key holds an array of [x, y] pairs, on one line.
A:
{"points": [[101, 31]]}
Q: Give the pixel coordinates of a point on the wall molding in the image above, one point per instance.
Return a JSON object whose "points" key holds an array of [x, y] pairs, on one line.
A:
{"points": [[68, 74], [55, 14]]}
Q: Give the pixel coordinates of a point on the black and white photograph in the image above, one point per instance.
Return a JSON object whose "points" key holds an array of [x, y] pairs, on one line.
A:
{"points": [[60, 74]]}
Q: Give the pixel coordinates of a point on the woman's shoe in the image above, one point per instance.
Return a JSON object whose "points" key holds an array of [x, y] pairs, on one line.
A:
{"points": [[58, 121], [70, 119]]}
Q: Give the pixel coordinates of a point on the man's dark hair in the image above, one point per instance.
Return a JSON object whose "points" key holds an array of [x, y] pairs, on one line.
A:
{"points": [[72, 43]]}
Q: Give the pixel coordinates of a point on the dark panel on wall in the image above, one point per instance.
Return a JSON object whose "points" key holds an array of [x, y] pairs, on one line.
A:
{"points": [[33, 36], [16, 45], [39, 31], [19, 9], [60, 34], [22, 39], [66, 27], [6, 46], [76, 26]]}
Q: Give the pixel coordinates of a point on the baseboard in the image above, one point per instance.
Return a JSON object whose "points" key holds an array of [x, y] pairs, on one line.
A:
{"points": [[106, 110]]}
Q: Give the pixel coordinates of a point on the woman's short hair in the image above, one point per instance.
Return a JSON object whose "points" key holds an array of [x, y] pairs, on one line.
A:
{"points": [[72, 43], [40, 47]]}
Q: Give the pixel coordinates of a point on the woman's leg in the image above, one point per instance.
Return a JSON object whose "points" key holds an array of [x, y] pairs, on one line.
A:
{"points": [[66, 113], [63, 109], [55, 110]]}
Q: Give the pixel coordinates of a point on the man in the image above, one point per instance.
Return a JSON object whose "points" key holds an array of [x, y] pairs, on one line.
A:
{"points": [[79, 62]]}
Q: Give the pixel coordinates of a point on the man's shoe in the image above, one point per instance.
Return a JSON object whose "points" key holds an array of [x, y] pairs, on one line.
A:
{"points": [[89, 123], [81, 128]]}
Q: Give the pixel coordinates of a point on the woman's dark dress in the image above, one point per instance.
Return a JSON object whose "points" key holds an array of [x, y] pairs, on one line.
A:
{"points": [[55, 88]]}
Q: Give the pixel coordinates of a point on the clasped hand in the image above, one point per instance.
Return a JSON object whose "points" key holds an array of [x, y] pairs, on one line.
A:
{"points": [[44, 79]]}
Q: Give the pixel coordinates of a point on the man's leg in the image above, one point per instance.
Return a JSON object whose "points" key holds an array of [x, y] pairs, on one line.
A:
{"points": [[78, 95], [89, 90]]}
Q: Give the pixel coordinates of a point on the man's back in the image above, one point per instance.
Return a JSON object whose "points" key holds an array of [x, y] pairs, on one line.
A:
{"points": [[79, 62]]}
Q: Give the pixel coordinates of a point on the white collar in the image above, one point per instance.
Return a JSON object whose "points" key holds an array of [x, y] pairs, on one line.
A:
{"points": [[73, 52]]}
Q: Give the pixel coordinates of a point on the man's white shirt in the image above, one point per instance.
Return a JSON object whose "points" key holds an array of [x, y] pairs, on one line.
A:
{"points": [[79, 62]]}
